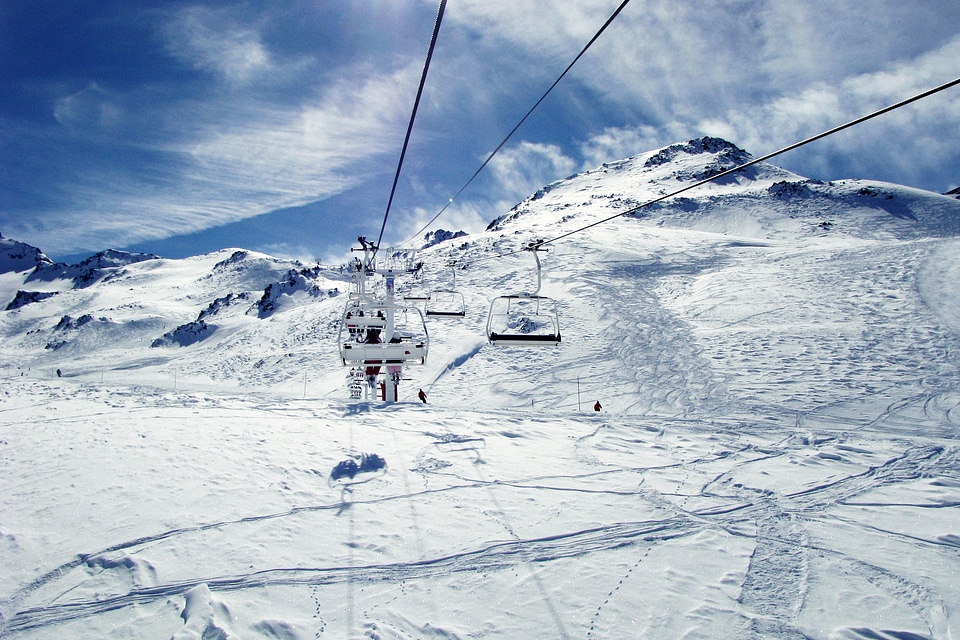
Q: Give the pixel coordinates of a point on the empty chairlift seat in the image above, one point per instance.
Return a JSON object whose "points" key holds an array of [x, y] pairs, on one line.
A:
{"points": [[446, 304], [523, 319]]}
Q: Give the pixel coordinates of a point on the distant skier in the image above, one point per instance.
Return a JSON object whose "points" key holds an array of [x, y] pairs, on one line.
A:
{"points": [[597, 406], [422, 396], [59, 373]]}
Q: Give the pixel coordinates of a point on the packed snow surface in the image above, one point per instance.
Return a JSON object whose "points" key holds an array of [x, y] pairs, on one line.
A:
{"points": [[776, 456]]}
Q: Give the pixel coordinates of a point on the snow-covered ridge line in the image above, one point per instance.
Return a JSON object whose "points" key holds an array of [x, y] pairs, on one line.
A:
{"points": [[88, 271], [18, 256], [208, 303]]}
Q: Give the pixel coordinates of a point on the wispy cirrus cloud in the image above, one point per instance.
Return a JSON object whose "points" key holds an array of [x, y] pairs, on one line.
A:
{"points": [[91, 108], [267, 158], [211, 40], [318, 147], [515, 173], [907, 145], [151, 164], [524, 168], [177, 119]]}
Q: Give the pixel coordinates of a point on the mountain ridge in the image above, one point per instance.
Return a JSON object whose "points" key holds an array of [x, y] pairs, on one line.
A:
{"points": [[238, 317]]}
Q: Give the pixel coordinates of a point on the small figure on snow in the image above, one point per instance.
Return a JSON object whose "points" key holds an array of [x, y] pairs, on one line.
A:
{"points": [[597, 406], [422, 396], [59, 373]]}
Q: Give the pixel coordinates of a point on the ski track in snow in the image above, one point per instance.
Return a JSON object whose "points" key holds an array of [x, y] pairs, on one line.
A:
{"points": [[494, 558], [773, 587], [660, 357]]}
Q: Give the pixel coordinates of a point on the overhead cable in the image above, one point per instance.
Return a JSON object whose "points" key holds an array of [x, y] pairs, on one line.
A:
{"points": [[413, 116], [522, 120]]}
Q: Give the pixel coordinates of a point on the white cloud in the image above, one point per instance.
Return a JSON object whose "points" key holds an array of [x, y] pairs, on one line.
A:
{"points": [[471, 216], [545, 28], [517, 172], [91, 109], [211, 41], [521, 170], [265, 157], [316, 150], [913, 140], [615, 143], [692, 63], [290, 251]]}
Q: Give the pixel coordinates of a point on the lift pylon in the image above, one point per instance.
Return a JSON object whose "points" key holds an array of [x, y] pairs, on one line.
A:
{"points": [[381, 335]]}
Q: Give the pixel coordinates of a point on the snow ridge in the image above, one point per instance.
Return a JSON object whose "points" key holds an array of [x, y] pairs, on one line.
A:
{"points": [[19, 256], [432, 238], [28, 297], [726, 153], [90, 270], [304, 280]]}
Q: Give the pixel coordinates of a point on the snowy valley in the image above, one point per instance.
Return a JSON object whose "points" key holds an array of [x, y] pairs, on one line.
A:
{"points": [[777, 360]]}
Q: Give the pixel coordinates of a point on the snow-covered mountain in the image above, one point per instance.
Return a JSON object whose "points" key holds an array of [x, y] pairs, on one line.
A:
{"points": [[17, 256], [796, 253], [777, 360]]}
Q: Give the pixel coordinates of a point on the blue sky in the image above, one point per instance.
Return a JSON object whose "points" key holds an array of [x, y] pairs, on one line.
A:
{"points": [[186, 127]]}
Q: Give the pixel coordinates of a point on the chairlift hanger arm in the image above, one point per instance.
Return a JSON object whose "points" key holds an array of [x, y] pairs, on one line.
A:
{"points": [[535, 247]]}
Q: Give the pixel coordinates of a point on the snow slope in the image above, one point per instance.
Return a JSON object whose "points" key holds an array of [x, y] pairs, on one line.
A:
{"points": [[776, 457]]}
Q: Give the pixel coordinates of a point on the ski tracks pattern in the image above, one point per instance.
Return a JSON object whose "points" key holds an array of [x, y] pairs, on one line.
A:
{"points": [[490, 558], [772, 593], [776, 582]]}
